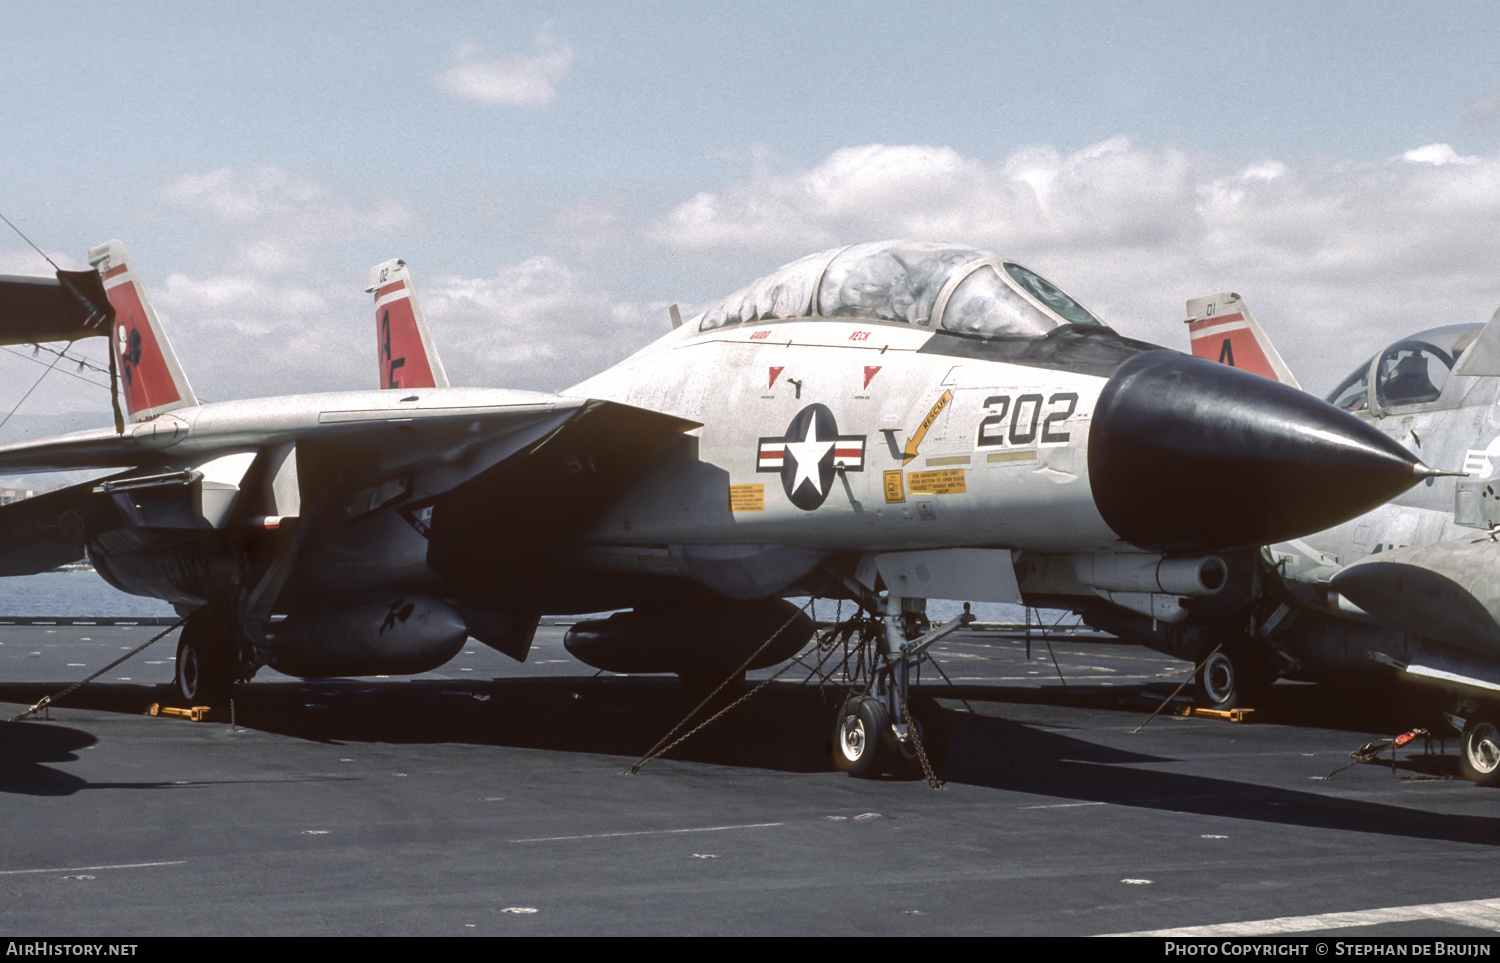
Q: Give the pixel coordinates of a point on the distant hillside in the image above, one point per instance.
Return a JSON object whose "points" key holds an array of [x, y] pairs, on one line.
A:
{"points": [[22, 426]]}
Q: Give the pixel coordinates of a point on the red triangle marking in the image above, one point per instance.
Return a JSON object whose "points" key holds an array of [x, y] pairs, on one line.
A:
{"points": [[870, 372], [775, 373]]}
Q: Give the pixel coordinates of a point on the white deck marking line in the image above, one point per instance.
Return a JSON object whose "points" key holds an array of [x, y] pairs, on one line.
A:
{"points": [[647, 832], [1481, 914], [1062, 805], [79, 869]]}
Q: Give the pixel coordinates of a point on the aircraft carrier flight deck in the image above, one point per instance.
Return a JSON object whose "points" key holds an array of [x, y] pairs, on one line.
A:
{"points": [[490, 798]]}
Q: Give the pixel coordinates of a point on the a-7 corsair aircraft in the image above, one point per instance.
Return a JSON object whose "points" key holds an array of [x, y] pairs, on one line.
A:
{"points": [[887, 422], [1409, 590]]}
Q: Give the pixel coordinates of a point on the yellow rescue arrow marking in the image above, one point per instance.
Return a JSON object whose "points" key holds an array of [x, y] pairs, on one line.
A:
{"points": [[910, 451]]}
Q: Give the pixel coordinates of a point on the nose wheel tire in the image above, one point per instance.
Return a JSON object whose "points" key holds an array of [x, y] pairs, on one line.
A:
{"points": [[858, 743], [1479, 759]]}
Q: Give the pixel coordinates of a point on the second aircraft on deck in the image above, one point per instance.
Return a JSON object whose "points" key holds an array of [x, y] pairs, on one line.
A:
{"points": [[1409, 590]]}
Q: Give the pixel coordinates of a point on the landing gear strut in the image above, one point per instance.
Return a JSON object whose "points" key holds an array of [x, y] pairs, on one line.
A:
{"points": [[883, 727]]}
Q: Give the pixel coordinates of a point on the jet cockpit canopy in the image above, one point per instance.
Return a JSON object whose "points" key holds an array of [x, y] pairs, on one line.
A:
{"points": [[1411, 371], [958, 289]]}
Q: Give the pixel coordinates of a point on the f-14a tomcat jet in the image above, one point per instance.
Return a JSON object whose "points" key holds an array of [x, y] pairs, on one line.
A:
{"points": [[886, 422]]}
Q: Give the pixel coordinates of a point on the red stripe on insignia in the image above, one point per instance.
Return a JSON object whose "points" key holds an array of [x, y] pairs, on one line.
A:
{"points": [[393, 286], [114, 271]]}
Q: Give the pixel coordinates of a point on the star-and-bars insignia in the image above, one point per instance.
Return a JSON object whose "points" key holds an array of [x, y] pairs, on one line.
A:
{"points": [[809, 455]]}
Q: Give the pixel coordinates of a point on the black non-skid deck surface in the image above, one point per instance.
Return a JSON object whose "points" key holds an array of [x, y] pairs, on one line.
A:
{"points": [[488, 798]]}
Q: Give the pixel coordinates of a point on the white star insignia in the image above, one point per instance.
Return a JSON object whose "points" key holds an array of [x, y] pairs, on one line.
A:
{"points": [[808, 453]]}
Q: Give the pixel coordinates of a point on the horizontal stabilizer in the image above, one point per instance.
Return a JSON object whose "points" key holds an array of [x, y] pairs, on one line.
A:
{"points": [[93, 448], [65, 308], [1222, 329]]}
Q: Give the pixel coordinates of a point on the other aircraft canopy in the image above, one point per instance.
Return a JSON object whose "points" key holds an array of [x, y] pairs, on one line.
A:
{"points": [[1407, 372], [959, 289]]}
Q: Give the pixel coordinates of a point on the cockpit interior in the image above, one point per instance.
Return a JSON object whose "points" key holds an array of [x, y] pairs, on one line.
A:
{"points": [[1411, 371], [958, 289]]}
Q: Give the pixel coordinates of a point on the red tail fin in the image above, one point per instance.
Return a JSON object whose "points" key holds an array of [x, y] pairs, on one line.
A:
{"points": [[151, 379], [407, 356], [1222, 329]]}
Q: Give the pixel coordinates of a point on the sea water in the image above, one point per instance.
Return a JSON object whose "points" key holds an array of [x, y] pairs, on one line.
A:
{"points": [[72, 594]]}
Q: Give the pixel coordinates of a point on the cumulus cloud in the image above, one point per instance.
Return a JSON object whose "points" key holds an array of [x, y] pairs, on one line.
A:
{"points": [[539, 324], [933, 193], [1437, 155], [242, 336], [1335, 258], [270, 200], [519, 80], [27, 262]]}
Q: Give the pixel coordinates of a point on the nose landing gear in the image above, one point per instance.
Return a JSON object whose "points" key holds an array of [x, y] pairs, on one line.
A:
{"points": [[883, 728], [858, 746]]}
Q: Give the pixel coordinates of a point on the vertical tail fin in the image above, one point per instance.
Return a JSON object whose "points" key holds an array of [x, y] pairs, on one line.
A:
{"points": [[1222, 329], [408, 358], [152, 380]]}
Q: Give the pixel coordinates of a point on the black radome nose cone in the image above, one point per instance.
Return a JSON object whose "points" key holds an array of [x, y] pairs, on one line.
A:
{"points": [[1187, 455]]}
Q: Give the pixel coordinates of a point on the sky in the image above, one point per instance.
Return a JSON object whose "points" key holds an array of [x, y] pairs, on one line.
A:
{"points": [[557, 174]]}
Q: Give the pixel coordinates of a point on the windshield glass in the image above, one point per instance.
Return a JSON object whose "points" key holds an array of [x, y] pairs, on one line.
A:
{"points": [[961, 289], [984, 304], [1411, 371], [1050, 294], [1353, 393]]}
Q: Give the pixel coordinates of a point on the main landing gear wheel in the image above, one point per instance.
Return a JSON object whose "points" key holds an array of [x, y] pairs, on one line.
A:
{"points": [[1479, 758], [858, 743], [1229, 678], [205, 660]]}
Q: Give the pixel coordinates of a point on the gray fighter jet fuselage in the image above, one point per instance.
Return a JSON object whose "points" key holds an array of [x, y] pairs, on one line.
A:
{"points": [[885, 422]]}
